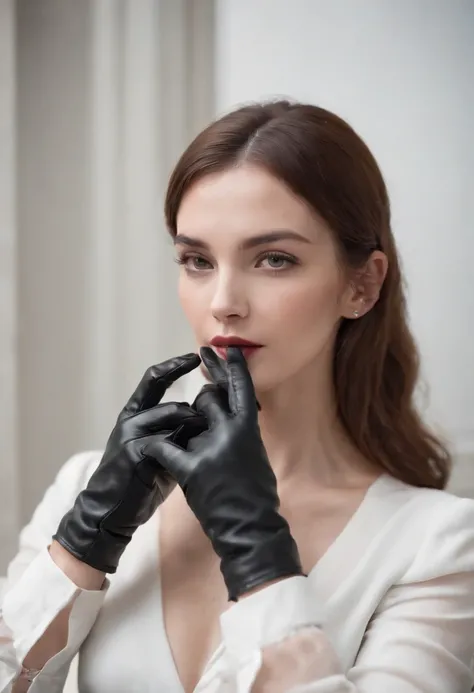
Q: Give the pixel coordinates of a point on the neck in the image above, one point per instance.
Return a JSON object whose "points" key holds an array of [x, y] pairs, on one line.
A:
{"points": [[303, 435]]}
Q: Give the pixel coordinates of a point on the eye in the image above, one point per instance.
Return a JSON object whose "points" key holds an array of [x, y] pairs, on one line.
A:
{"points": [[193, 263], [277, 261]]}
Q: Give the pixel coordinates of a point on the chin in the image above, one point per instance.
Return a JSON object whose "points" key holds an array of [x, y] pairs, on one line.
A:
{"points": [[282, 371], [265, 379]]}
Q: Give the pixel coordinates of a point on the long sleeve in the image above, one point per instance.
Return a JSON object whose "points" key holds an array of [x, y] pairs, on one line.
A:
{"points": [[420, 638], [37, 590]]}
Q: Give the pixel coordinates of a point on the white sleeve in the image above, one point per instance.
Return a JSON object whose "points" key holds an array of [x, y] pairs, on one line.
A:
{"points": [[419, 640], [37, 590]]}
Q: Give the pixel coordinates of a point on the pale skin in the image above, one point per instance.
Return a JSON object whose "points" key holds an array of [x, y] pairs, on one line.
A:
{"points": [[230, 284]]}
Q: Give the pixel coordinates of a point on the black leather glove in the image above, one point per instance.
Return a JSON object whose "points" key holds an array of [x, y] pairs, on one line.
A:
{"points": [[229, 483], [128, 485]]}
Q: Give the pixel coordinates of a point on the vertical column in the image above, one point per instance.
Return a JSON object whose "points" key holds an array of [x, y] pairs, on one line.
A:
{"points": [[151, 90], [128, 328], [53, 67], [9, 520]]}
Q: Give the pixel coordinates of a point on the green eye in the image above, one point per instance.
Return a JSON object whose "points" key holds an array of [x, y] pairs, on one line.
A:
{"points": [[199, 263], [193, 263], [277, 261]]}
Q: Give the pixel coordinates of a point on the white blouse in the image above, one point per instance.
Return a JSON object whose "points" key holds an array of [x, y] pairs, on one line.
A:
{"points": [[394, 594]]}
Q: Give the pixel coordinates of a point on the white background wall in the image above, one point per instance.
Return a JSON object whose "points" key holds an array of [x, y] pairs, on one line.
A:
{"points": [[402, 73], [9, 495]]}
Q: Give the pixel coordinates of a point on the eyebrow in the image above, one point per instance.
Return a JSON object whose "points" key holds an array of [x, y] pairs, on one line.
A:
{"points": [[261, 239]]}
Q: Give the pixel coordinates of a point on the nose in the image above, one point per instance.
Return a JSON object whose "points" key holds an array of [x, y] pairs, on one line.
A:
{"points": [[229, 300]]}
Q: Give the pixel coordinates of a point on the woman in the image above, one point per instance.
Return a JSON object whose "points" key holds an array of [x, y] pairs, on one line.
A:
{"points": [[287, 531]]}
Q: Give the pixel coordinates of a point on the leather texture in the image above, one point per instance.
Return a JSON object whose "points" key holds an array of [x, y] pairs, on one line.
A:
{"points": [[228, 481], [129, 485]]}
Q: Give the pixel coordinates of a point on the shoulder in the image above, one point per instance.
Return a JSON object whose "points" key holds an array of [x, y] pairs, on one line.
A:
{"points": [[446, 537], [439, 529]]}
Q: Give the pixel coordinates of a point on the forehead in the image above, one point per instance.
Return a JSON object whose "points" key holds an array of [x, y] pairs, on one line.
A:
{"points": [[243, 201]]}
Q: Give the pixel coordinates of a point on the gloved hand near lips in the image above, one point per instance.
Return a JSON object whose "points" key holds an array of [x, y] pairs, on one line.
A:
{"points": [[213, 450]]}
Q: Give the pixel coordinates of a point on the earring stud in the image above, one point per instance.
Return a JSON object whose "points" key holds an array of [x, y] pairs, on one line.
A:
{"points": [[356, 313]]}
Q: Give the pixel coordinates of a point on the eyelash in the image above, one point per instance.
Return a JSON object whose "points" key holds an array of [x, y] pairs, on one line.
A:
{"points": [[290, 259]]}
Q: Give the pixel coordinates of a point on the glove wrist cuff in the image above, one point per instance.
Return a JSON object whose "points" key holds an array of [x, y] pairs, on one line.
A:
{"points": [[267, 562]]}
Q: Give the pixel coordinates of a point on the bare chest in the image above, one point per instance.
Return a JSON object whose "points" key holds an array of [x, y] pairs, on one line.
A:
{"points": [[193, 594]]}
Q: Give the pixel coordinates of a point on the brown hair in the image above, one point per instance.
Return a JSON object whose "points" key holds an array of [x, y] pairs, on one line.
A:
{"points": [[320, 157]]}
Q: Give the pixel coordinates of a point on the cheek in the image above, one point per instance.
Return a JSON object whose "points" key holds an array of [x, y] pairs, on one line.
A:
{"points": [[306, 307], [191, 301]]}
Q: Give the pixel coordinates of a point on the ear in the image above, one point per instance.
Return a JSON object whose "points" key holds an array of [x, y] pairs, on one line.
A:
{"points": [[364, 286]]}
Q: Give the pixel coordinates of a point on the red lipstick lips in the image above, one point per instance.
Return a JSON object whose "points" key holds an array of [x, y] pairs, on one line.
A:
{"points": [[221, 344]]}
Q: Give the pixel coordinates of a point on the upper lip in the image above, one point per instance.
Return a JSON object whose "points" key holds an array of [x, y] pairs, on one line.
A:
{"points": [[232, 341]]}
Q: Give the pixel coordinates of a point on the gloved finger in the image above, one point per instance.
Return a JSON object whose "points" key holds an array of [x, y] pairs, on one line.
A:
{"points": [[215, 366], [213, 402], [168, 455], [242, 398], [164, 417], [156, 381], [190, 428]]}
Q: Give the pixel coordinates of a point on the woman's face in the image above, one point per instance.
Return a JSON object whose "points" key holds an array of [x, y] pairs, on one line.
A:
{"points": [[257, 264]]}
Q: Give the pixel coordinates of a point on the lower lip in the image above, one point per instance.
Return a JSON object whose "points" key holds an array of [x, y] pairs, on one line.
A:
{"points": [[247, 351]]}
